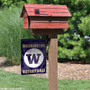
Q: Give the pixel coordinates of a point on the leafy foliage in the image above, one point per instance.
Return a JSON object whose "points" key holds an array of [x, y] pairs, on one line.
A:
{"points": [[72, 44], [12, 3], [85, 25], [71, 47]]}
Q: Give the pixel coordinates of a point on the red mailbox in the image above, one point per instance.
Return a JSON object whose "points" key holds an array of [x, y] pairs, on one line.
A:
{"points": [[45, 19]]}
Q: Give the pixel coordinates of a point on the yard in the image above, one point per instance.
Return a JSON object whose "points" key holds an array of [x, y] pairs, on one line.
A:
{"points": [[72, 45], [12, 80]]}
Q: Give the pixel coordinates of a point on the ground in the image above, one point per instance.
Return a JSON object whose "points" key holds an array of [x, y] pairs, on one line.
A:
{"points": [[65, 71]]}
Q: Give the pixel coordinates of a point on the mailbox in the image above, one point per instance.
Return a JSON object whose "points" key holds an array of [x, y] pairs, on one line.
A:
{"points": [[45, 19]]}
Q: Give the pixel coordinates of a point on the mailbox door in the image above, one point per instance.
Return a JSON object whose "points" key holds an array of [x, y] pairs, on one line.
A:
{"points": [[48, 23]]}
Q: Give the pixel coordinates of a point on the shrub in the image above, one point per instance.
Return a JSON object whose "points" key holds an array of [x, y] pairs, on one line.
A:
{"points": [[12, 3], [71, 47], [85, 28], [85, 25]]}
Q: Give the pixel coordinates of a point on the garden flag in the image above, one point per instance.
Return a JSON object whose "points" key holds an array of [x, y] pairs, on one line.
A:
{"points": [[33, 56]]}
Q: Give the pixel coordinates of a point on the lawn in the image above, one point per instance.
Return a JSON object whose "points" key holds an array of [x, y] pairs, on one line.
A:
{"points": [[11, 80]]}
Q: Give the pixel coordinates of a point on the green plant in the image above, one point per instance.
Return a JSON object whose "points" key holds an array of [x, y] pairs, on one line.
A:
{"points": [[11, 33], [12, 3], [85, 25], [85, 29], [71, 47]]}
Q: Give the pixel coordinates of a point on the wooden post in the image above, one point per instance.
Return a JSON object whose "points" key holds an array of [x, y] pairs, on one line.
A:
{"points": [[53, 80]]}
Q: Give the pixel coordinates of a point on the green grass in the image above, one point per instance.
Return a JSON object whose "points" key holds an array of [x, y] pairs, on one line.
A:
{"points": [[11, 33], [11, 80]]}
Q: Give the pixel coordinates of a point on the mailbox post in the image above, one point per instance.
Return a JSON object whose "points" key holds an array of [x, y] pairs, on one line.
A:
{"points": [[53, 79], [47, 20]]}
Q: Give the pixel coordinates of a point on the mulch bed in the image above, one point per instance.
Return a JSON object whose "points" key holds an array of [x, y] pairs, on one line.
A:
{"points": [[65, 71]]}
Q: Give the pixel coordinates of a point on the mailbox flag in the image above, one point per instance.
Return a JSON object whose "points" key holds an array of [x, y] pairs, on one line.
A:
{"points": [[33, 56]]}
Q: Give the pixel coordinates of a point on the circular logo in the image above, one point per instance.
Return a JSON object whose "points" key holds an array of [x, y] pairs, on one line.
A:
{"points": [[33, 58]]}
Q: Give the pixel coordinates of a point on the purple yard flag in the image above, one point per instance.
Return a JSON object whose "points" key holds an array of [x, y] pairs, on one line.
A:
{"points": [[33, 56]]}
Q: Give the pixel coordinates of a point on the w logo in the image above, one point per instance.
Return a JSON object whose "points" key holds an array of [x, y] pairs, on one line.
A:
{"points": [[33, 58]]}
